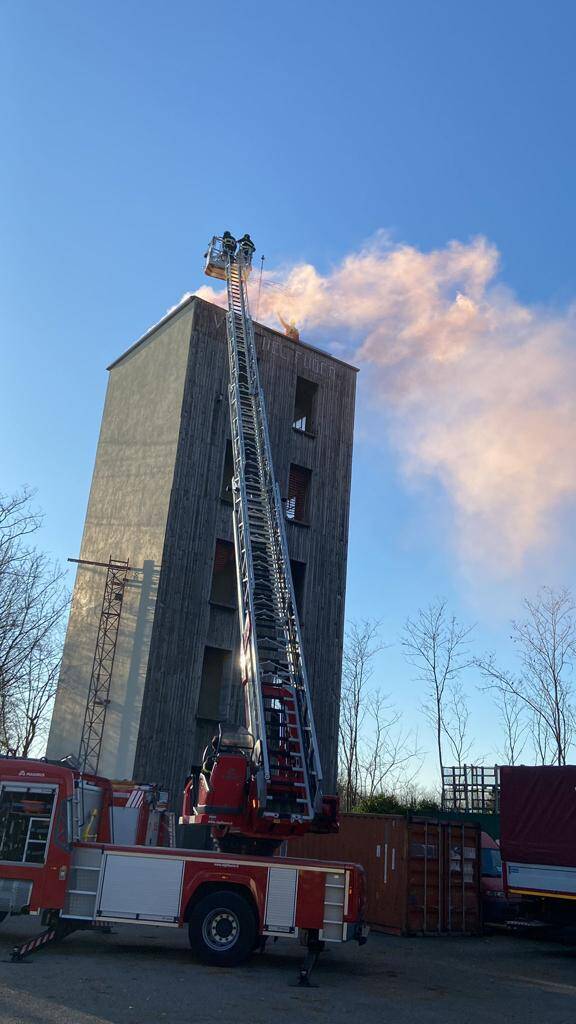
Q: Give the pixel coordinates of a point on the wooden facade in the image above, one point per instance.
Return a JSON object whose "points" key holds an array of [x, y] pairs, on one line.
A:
{"points": [[172, 735], [191, 677]]}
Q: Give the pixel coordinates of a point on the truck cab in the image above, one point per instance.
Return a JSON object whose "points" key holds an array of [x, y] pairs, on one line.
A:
{"points": [[35, 834], [497, 907], [45, 808]]}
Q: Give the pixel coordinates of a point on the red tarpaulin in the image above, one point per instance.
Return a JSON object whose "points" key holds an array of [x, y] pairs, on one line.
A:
{"points": [[538, 815]]}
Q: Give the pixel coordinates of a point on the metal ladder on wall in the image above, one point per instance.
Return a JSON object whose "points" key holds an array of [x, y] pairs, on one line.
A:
{"points": [[103, 664], [277, 696]]}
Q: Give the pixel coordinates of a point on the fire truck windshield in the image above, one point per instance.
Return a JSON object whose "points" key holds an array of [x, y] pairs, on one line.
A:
{"points": [[25, 816]]}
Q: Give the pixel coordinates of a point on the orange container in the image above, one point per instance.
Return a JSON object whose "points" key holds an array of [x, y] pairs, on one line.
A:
{"points": [[423, 874]]}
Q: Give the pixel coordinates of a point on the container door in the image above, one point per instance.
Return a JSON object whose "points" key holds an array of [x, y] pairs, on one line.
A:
{"points": [[461, 910], [387, 874], [425, 873]]}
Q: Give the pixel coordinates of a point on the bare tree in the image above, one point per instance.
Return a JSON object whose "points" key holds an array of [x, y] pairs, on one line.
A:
{"points": [[457, 721], [360, 647], [540, 735], [546, 642], [387, 752], [374, 749], [24, 712], [515, 726], [32, 604], [436, 644]]}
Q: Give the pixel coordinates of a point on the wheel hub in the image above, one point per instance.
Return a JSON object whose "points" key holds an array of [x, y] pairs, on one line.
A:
{"points": [[221, 929]]}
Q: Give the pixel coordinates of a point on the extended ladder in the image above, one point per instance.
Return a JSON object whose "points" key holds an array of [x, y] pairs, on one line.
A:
{"points": [[277, 697]]}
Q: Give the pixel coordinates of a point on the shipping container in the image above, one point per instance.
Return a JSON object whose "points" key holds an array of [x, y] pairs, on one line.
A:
{"points": [[423, 874]]}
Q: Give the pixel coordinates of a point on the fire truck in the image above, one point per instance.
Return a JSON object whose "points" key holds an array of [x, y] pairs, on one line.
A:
{"points": [[70, 852]]}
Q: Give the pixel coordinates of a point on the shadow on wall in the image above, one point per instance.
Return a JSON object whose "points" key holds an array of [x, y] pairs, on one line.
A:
{"points": [[129, 671], [146, 581]]}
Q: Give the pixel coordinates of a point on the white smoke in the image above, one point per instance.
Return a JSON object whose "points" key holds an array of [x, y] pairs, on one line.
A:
{"points": [[475, 388]]}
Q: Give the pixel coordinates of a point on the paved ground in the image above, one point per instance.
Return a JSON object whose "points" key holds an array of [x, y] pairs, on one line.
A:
{"points": [[147, 976]]}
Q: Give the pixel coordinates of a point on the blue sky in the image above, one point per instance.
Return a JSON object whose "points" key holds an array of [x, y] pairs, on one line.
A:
{"points": [[134, 131]]}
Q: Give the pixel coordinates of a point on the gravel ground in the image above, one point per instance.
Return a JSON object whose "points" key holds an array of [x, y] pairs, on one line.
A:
{"points": [[142, 975]]}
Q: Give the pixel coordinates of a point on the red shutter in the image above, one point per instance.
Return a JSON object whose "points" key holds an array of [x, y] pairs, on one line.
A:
{"points": [[223, 555]]}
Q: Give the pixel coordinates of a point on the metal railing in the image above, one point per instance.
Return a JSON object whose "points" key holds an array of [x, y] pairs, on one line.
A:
{"points": [[471, 789]]}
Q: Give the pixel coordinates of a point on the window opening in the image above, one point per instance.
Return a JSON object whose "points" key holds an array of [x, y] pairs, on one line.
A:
{"points": [[298, 578], [304, 405], [224, 575], [491, 864], [25, 819], [214, 665], [296, 504], [227, 474]]}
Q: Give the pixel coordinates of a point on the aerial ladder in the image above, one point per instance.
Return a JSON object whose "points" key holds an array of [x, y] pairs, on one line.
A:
{"points": [[260, 784]]}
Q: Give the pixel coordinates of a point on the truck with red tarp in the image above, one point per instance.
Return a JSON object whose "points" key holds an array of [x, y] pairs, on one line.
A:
{"points": [[538, 838]]}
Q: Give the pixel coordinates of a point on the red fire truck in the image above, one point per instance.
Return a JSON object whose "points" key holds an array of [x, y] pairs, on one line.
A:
{"points": [[63, 855], [227, 902]]}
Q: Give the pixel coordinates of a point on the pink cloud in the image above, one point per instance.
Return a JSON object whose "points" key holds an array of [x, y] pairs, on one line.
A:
{"points": [[476, 389]]}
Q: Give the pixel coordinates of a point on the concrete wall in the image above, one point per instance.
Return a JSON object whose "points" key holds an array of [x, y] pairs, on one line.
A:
{"points": [[126, 518]]}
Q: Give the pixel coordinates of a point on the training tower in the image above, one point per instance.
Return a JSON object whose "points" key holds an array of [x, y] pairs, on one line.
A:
{"points": [[161, 500]]}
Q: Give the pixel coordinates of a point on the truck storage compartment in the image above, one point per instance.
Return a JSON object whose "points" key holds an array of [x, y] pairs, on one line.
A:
{"points": [[84, 882], [143, 888]]}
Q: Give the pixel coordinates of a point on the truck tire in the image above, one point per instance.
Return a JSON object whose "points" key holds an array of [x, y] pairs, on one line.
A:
{"points": [[222, 928]]}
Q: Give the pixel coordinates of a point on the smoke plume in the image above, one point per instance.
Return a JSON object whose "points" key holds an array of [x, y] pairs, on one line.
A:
{"points": [[476, 389]]}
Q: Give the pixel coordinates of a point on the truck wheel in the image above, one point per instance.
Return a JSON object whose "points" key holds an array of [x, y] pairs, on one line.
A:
{"points": [[222, 929]]}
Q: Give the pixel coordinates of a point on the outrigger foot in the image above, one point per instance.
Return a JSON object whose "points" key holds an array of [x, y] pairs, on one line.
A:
{"points": [[315, 947], [55, 933]]}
